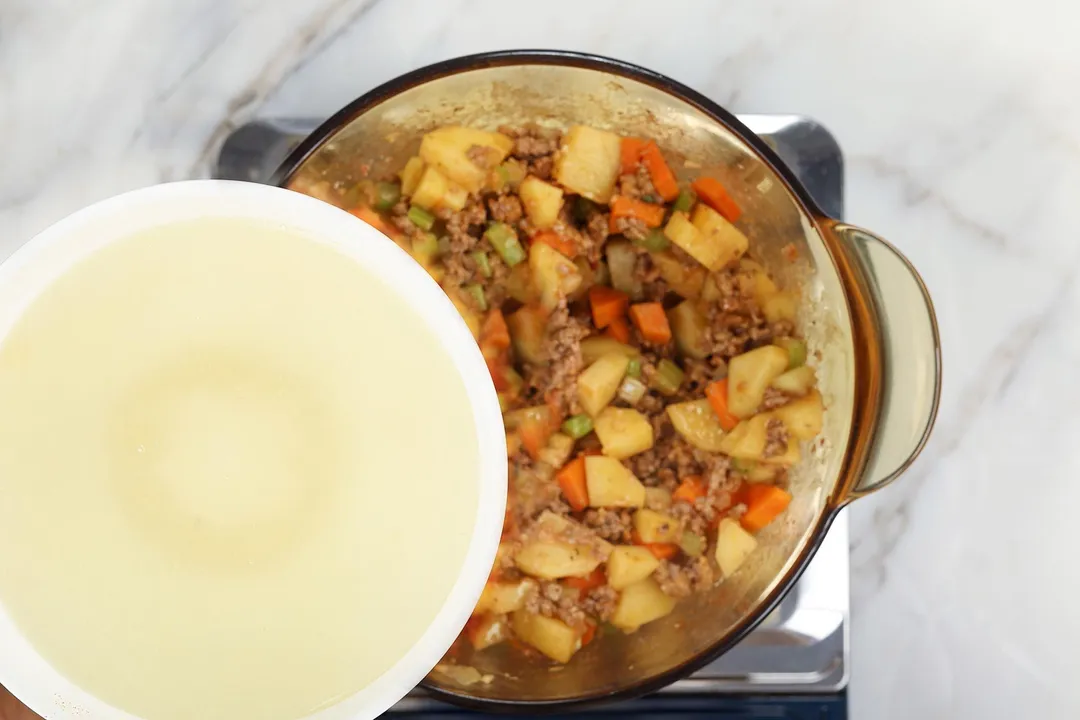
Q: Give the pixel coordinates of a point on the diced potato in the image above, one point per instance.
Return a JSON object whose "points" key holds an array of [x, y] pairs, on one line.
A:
{"points": [[726, 242], [611, 484], [504, 597], [555, 275], [748, 376], [519, 285], [656, 527], [539, 414], [431, 189], [528, 329], [596, 347], [747, 440], [597, 385], [797, 381], [550, 636], [472, 320], [448, 149], [803, 417], [761, 286], [733, 546], [487, 631], [781, 306], [762, 473], [688, 325], [657, 497], [542, 201], [623, 432], [629, 564], [410, 175], [454, 198], [551, 559], [686, 281], [558, 450], [588, 162], [682, 232], [641, 603], [622, 265], [697, 423]]}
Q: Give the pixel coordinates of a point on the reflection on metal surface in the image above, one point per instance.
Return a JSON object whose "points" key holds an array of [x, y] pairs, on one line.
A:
{"points": [[802, 648]]}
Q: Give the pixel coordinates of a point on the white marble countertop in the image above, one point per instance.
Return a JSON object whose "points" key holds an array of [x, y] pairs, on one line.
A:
{"points": [[960, 122]]}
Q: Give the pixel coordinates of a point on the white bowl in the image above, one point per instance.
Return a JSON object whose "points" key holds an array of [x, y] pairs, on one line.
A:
{"points": [[44, 258]]}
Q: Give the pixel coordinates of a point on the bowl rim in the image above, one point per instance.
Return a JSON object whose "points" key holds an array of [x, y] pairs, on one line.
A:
{"points": [[587, 61], [37, 264]]}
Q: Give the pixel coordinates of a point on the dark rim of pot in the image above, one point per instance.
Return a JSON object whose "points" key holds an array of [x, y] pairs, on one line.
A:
{"points": [[409, 80]]}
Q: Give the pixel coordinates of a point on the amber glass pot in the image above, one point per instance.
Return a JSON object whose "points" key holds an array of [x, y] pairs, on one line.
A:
{"points": [[865, 313]]}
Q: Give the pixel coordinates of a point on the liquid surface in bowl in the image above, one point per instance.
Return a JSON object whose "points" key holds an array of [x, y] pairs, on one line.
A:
{"points": [[219, 441], [655, 389]]}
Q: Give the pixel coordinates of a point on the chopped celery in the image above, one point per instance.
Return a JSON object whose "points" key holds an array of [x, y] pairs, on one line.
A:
{"points": [[796, 351], [476, 292], [425, 247], [504, 401], [421, 218], [742, 466], [692, 544], [631, 390], [654, 241], [482, 263], [505, 242], [634, 368], [577, 426], [649, 198], [685, 201], [510, 174], [386, 195], [668, 378]]}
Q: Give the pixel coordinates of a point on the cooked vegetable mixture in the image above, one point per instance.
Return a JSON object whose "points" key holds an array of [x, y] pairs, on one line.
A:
{"points": [[653, 388]]}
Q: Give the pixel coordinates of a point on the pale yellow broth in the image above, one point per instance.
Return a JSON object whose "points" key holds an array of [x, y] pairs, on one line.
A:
{"points": [[238, 475]]}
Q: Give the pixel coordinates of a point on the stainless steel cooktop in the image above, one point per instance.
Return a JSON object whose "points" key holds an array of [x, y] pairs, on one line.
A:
{"points": [[802, 648]]}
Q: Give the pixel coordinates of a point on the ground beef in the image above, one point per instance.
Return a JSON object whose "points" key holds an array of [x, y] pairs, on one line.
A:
{"points": [[776, 438], [773, 399], [674, 579], [535, 491], [563, 349], [505, 209], [638, 185], [484, 157], [535, 143], [613, 525], [555, 601], [600, 602], [542, 167], [596, 231], [631, 228]]}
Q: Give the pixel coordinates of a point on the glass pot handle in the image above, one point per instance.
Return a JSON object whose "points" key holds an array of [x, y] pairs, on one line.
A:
{"points": [[910, 355]]}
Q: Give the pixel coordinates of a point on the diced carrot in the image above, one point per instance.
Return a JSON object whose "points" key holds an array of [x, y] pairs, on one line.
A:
{"points": [[715, 196], [630, 154], [535, 433], [607, 305], [763, 504], [618, 330], [663, 551], [371, 217], [659, 172], [557, 241], [594, 579], [571, 481], [717, 392], [690, 489], [651, 215], [589, 634], [494, 332], [651, 322], [497, 369]]}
